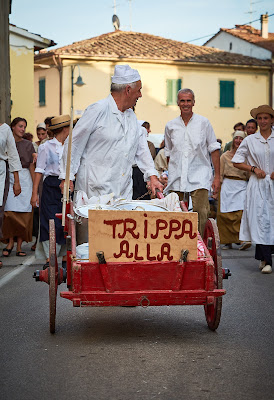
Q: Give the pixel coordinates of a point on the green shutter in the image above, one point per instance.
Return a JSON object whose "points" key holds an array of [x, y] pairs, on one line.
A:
{"points": [[42, 92], [169, 92], [179, 87], [172, 88], [227, 94]]}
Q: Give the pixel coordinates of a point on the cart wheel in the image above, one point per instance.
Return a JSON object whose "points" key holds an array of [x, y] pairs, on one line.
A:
{"points": [[53, 275], [212, 242]]}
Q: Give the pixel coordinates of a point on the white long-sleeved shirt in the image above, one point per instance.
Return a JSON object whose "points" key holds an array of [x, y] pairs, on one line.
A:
{"points": [[49, 157], [8, 152], [105, 145], [189, 149]]}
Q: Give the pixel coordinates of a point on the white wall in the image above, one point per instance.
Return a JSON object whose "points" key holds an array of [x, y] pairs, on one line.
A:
{"points": [[223, 39]]}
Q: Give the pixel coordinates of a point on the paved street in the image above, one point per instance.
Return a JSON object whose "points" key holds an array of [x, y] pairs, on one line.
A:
{"points": [[135, 353]]}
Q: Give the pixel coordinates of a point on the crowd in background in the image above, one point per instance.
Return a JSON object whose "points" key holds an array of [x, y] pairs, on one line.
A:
{"points": [[19, 221], [19, 212]]}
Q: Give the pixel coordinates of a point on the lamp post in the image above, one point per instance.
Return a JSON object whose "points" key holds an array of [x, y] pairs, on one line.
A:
{"points": [[79, 82], [65, 200]]}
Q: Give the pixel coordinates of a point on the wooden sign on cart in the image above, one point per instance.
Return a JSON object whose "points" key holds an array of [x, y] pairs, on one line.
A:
{"points": [[142, 235]]}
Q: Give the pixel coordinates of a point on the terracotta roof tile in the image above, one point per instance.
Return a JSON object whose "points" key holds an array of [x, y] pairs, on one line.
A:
{"points": [[143, 46], [252, 35]]}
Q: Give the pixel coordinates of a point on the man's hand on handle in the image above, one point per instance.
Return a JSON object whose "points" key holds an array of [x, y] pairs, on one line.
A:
{"points": [[155, 184]]}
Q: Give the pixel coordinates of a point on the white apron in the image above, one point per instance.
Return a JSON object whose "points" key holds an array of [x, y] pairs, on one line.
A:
{"points": [[233, 194], [20, 203], [257, 223], [2, 180]]}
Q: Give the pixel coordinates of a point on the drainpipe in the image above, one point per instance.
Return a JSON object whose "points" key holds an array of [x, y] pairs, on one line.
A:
{"points": [[59, 66], [271, 81]]}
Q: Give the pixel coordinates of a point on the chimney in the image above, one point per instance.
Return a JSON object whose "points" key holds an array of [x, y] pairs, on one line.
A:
{"points": [[264, 26]]}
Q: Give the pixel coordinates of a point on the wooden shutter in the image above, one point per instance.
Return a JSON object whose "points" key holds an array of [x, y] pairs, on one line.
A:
{"points": [[227, 94], [169, 92], [172, 86], [42, 92]]}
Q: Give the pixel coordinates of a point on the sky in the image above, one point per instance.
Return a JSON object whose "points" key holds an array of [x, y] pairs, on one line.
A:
{"points": [[67, 21]]}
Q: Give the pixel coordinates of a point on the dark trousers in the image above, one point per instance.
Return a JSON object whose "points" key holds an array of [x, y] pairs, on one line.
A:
{"points": [[139, 185], [51, 204], [263, 253]]}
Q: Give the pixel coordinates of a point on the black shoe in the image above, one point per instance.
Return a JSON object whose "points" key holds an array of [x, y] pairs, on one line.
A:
{"points": [[45, 266]]}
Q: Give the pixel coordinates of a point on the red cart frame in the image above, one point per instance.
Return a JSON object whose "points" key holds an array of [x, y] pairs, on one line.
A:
{"points": [[100, 284]]}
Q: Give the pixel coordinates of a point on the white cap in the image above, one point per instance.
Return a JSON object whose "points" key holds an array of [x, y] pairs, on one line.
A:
{"points": [[239, 133], [42, 125], [125, 74]]}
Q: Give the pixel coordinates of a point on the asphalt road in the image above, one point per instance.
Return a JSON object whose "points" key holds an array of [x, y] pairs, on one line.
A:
{"points": [[164, 353]]}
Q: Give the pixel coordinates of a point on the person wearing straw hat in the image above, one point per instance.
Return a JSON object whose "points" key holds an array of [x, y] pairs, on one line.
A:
{"points": [[48, 165], [256, 155], [107, 141]]}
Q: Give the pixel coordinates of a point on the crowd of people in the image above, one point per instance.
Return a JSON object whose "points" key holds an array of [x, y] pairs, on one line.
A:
{"points": [[190, 162]]}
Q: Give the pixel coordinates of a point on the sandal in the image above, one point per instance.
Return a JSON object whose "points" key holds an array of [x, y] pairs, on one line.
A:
{"points": [[1, 264], [33, 247], [21, 253], [6, 250]]}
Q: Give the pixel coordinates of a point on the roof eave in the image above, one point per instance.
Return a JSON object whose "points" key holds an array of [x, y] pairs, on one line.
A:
{"points": [[48, 56]]}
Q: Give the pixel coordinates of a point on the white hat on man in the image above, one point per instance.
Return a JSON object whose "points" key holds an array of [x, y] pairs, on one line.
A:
{"points": [[124, 74]]}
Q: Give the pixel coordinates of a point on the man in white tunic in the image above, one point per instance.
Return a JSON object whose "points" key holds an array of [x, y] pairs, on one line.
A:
{"points": [[189, 142], [107, 141], [256, 155]]}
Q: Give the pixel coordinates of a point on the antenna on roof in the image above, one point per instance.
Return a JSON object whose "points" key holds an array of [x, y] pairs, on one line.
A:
{"points": [[251, 11], [115, 22]]}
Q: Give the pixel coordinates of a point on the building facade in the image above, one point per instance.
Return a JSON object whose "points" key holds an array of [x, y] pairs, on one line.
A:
{"points": [[248, 41], [23, 44], [226, 85]]}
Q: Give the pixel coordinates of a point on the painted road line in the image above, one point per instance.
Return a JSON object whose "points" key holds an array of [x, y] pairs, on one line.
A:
{"points": [[17, 270]]}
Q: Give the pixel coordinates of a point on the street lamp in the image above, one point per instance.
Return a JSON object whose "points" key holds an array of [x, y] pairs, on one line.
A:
{"points": [[79, 82]]}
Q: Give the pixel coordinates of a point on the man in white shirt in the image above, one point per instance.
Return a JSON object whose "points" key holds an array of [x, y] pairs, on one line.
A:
{"points": [[107, 141], [189, 142]]}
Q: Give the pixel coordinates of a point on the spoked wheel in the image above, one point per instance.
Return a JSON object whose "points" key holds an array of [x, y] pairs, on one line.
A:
{"points": [[53, 275], [212, 242]]}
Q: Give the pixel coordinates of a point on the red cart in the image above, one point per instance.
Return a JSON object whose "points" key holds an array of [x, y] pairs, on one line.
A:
{"points": [[154, 283]]}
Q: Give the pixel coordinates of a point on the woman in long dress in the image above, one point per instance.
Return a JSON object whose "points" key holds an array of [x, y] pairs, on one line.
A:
{"points": [[9, 162], [232, 196], [17, 224], [256, 155]]}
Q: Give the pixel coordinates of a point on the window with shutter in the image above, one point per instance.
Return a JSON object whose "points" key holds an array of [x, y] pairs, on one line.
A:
{"points": [[227, 94], [172, 88], [42, 92]]}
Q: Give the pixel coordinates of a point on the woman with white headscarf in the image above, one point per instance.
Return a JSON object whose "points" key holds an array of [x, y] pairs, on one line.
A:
{"points": [[232, 196]]}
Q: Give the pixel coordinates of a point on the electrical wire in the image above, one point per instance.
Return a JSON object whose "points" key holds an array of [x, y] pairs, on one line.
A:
{"points": [[203, 37]]}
